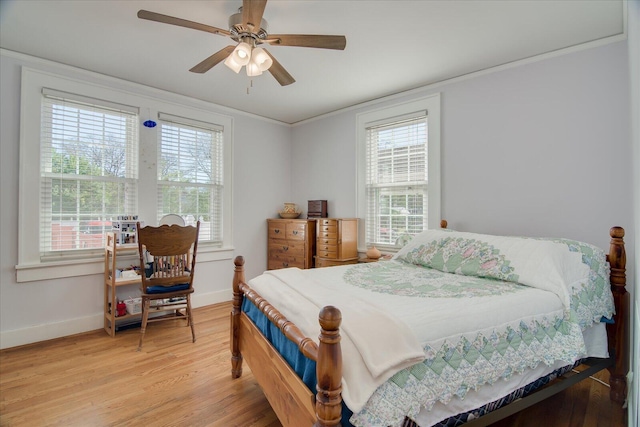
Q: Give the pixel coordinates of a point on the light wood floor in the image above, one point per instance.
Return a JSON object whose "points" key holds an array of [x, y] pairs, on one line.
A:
{"points": [[92, 379]]}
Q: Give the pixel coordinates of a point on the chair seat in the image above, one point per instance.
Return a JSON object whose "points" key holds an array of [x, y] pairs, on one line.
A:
{"points": [[167, 289]]}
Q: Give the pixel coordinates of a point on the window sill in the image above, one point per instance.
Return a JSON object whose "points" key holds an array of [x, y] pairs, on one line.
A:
{"points": [[89, 266]]}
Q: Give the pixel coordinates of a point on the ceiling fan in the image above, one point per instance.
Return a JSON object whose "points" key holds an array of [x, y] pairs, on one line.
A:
{"points": [[249, 30]]}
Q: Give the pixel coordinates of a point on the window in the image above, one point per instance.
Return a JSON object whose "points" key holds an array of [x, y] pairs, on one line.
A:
{"points": [[88, 171], [396, 185], [398, 178], [85, 160], [191, 174]]}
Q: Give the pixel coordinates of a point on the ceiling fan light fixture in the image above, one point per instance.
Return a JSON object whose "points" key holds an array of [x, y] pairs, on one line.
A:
{"points": [[261, 59], [242, 53], [253, 69], [231, 63]]}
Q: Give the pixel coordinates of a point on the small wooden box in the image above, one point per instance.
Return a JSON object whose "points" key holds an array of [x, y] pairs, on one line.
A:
{"points": [[317, 209]]}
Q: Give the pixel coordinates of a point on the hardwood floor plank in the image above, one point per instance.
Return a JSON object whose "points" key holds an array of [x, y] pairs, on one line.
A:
{"points": [[93, 379]]}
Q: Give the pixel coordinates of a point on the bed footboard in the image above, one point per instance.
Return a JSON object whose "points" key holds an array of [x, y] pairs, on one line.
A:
{"points": [[294, 404]]}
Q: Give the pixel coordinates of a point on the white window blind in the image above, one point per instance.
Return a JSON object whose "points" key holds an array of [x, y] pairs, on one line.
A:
{"points": [[396, 180], [88, 170], [190, 174]]}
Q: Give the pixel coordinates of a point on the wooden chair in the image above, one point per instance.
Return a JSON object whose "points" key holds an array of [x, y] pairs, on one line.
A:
{"points": [[168, 278]]}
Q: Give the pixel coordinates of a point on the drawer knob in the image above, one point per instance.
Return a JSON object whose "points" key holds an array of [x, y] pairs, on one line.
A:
{"points": [[285, 248], [295, 232], [277, 231]]}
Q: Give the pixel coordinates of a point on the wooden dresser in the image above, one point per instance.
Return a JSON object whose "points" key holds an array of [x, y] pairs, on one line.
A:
{"points": [[337, 241], [291, 243]]}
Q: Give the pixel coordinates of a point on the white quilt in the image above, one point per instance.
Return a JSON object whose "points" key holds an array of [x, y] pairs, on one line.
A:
{"points": [[414, 336]]}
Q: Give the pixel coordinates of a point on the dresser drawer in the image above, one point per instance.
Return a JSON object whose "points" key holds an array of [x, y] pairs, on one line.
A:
{"points": [[277, 230], [328, 236], [287, 230], [327, 253], [287, 247], [276, 263], [296, 230], [331, 229], [326, 248], [324, 240]]}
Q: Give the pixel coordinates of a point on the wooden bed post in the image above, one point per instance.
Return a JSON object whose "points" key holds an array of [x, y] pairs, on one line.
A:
{"points": [[619, 330], [236, 357], [329, 369]]}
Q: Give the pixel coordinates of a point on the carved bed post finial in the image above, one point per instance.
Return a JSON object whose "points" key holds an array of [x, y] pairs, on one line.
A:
{"points": [[329, 369], [618, 331], [236, 356], [443, 223]]}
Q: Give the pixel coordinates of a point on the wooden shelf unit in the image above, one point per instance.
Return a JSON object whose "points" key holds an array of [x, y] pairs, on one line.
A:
{"points": [[111, 283]]}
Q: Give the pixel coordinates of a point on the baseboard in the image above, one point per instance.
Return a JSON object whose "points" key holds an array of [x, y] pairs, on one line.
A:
{"points": [[68, 327]]}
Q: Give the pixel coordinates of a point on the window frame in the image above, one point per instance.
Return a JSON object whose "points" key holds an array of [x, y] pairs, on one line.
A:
{"points": [[431, 106], [31, 267]]}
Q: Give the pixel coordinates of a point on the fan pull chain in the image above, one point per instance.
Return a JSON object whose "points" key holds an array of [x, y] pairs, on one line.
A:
{"points": [[250, 85]]}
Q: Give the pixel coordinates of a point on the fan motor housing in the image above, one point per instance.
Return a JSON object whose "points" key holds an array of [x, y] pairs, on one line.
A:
{"points": [[239, 31]]}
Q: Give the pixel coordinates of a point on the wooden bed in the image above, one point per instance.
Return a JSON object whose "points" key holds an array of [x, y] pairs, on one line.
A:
{"points": [[295, 405]]}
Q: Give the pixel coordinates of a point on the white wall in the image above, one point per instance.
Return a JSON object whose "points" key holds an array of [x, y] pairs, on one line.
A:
{"points": [[540, 149], [33, 311]]}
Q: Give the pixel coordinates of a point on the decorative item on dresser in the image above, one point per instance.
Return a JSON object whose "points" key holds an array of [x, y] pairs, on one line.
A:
{"points": [[373, 254], [337, 241], [291, 243], [317, 209], [290, 211]]}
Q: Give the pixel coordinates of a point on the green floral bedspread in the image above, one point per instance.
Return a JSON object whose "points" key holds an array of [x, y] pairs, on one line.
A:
{"points": [[464, 363]]}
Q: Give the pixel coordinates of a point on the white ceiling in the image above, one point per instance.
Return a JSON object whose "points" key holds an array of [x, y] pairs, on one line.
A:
{"points": [[392, 46]]}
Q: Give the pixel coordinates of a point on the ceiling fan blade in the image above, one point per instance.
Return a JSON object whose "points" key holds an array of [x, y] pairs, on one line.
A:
{"points": [[213, 60], [279, 73], [308, 40], [165, 19], [252, 11]]}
